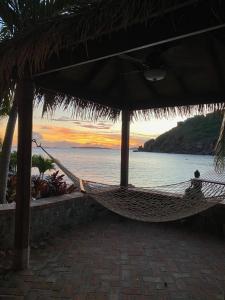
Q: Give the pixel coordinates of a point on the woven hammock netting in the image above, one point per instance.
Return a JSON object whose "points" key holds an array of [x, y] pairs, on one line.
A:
{"points": [[154, 204]]}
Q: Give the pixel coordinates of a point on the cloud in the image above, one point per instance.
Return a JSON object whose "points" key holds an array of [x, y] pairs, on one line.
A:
{"points": [[77, 122], [84, 124], [60, 136], [91, 125], [96, 126], [45, 127], [62, 119]]}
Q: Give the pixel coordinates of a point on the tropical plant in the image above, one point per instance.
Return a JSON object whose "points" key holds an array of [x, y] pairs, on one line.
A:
{"points": [[40, 188], [13, 162], [11, 189], [52, 185], [43, 164], [57, 185], [17, 17]]}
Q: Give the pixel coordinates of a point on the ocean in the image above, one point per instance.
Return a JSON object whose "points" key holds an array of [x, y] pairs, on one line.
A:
{"points": [[146, 168]]}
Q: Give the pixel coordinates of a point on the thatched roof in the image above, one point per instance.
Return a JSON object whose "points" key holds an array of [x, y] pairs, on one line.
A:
{"points": [[119, 82], [61, 41]]}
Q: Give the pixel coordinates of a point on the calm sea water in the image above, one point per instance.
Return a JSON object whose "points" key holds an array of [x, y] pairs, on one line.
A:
{"points": [[146, 169]]}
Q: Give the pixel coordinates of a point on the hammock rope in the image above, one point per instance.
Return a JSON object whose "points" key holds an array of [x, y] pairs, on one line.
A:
{"points": [[153, 204]]}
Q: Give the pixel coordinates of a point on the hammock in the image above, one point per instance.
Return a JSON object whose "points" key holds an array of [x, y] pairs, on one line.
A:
{"points": [[152, 204]]}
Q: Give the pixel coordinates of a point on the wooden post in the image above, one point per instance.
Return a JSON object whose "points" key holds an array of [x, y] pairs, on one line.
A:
{"points": [[124, 171], [24, 96]]}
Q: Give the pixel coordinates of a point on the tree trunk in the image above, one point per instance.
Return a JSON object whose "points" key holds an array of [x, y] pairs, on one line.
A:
{"points": [[6, 151], [23, 183], [124, 169]]}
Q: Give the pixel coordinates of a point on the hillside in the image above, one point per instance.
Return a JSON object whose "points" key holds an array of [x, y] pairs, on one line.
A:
{"points": [[196, 135]]}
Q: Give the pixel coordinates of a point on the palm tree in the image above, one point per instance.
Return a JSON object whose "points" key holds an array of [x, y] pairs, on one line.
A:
{"points": [[219, 160], [43, 164], [16, 17], [9, 108]]}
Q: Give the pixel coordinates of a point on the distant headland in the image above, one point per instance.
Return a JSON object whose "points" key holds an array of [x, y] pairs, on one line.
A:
{"points": [[197, 135], [91, 147]]}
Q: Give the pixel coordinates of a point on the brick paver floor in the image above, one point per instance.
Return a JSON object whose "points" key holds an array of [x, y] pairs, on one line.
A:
{"points": [[113, 258]]}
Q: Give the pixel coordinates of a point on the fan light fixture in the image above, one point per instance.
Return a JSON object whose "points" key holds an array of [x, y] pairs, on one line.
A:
{"points": [[155, 74]]}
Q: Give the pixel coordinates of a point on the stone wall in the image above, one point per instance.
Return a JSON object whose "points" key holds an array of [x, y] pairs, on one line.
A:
{"points": [[50, 216], [212, 220]]}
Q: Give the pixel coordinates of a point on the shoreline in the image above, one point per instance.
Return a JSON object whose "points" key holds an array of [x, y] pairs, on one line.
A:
{"points": [[177, 153]]}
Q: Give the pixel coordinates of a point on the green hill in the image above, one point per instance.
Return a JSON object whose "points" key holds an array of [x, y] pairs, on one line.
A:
{"points": [[197, 135]]}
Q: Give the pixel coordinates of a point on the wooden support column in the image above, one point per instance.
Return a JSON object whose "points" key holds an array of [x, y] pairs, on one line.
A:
{"points": [[24, 96], [125, 136]]}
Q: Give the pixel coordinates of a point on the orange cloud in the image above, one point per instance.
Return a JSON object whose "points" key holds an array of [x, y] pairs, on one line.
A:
{"points": [[89, 125], [56, 134], [90, 135]]}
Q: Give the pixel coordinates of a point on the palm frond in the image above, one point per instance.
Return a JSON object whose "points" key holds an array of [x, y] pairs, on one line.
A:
{"points": [[219, 160], [9, 15], [5, 33]]}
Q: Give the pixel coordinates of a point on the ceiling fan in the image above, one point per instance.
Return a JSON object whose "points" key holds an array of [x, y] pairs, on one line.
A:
{"points": [[152, 68]]}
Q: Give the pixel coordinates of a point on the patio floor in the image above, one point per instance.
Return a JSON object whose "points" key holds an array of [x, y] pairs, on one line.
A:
{"points": [[114, 258]]}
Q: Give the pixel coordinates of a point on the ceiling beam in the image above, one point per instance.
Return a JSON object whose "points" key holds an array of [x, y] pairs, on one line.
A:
{"points": [[130, 58], [108, 88], [177, 77], [97, 68]]}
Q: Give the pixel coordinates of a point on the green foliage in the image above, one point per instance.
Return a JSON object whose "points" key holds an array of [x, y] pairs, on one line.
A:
{"points": [[11, 189], [13, 162], [6, 104], [52, 185], [16, 18], [197, 135], [43, 164], [18, 15]]}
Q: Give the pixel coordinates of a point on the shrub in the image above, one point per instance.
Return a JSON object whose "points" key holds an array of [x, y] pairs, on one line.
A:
{"points": [[43, 164], [11, 189], [56, 183], [52, 185], [13, 162]]}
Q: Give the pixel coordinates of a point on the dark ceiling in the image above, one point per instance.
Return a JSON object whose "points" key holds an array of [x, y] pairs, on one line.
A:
{"points": [[188, 44], [195, 73]]}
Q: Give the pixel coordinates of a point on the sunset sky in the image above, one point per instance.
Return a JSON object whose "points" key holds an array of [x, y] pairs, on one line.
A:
{"points": [[62, 130]]}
